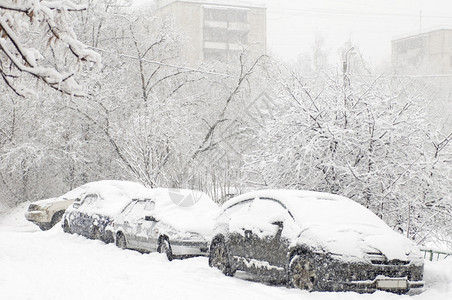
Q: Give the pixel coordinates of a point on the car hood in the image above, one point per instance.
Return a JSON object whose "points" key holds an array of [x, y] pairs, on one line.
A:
{"points": [[44, 202], [358, 242]]}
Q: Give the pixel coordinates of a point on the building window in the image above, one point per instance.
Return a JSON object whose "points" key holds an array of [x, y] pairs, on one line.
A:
{"points": [[225, 31], [226, 15]]}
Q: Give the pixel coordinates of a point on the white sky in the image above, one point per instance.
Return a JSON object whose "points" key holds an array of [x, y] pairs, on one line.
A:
{"points": [[370, 25]]}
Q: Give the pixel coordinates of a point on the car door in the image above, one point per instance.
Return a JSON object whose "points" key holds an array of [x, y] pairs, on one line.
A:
{"points": [[150, 241], [83, 221], [235, 218], [125, 224], [133, 225], [265, 247]]}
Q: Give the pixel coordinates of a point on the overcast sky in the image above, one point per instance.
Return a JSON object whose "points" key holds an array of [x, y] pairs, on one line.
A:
{"points": [[370, 25]]}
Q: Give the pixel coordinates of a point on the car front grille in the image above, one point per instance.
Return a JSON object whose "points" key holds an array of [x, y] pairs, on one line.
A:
{"points": [[395, 269], [377, 258]]}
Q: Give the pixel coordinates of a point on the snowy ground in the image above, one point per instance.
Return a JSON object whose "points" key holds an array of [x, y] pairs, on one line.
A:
{"points": [[55, 265]]}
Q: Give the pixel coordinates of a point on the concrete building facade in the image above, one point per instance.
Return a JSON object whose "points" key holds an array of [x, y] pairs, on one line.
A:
{"points": [[217, 29], [427, 53]]}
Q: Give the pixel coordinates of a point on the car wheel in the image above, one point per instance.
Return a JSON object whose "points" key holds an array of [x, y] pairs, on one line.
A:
{"points": [[218, 258], [121, 241], [56, 218], [302, 272], [45, 226], [165, 247], [96, 234], [66, 227]]}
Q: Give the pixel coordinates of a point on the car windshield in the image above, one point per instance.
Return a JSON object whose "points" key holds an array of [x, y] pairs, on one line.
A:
{"points": [[320, 211]]}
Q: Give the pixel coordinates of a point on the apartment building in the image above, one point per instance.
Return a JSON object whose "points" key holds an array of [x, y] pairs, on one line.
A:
{"points": [[217, 30], [427, 53]]}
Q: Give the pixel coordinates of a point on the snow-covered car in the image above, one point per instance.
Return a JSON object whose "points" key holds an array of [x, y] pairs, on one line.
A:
{"points": [[313, 241], [92, 213], [176, 222], [47, 212]]}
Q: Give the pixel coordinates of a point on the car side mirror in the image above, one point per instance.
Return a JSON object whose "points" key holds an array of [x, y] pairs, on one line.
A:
{"points": [[280, 224], [150, 218], [76, 205]]}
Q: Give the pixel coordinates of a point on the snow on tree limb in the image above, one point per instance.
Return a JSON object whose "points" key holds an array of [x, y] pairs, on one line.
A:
{"points": [[20, 19]]}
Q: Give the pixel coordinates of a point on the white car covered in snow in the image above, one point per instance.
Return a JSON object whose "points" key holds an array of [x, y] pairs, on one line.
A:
{"points": [[313, 241], [176, 222]]}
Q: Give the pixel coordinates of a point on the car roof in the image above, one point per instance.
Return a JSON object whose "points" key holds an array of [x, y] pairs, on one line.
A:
{"points": [[315, 208], [115, 195]]}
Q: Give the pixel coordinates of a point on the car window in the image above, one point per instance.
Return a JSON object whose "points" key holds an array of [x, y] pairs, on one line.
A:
{"points": [[138, 209], [238, 207], [90, 199], [129, 207], [150, 205], [260, 218], [268, 210]]}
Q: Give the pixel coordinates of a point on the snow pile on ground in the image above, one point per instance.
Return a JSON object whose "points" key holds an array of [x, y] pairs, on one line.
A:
{"points": [[438, 278], [54, 265], [14, 219]]}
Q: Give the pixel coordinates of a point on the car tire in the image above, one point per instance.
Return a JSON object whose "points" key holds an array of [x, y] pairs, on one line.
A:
{"points": [[45, 226], [302, 272], [165, 247], [66, 227], [56, 218], [96, 234], [219, 258], [121, 241]]}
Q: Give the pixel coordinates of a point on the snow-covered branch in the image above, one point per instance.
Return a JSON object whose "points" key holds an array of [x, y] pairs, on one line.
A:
{"points": [[24, 52]]}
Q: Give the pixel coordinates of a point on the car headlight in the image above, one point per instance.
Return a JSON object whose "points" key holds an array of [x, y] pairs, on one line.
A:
{"points": [[44, 206]]}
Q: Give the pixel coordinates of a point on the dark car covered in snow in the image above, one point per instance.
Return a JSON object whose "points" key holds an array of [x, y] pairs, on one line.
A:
{"points": [[313, 241], [176, 222], [95, 210]]}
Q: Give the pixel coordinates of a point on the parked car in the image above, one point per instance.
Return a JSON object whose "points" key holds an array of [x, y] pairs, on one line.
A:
{"points": [[96, 209], [313, 241], [47, 212], [178, 223]]}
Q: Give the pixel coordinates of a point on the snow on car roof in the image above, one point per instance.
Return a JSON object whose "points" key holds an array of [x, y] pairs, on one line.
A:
{"points": [[184, 209], [310, 207], [114, 196]]}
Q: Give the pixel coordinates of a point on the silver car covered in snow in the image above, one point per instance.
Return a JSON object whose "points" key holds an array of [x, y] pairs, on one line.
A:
{"points": [[176, 222]]}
